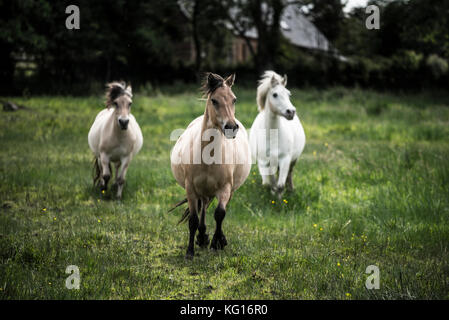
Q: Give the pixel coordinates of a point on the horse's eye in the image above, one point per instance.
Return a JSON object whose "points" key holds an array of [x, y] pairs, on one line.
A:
{"points": [[234, 101], [275, 95], [215, 103]]}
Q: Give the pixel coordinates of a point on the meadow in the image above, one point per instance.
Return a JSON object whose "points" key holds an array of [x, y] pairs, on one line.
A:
{"points": [[371, 188]]}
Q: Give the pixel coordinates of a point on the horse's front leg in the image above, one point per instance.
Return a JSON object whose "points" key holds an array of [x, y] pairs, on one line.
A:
{"points": [[121, 175], [290, 176], [105, 171], [266, 172], [284, 168], [219, 239]]}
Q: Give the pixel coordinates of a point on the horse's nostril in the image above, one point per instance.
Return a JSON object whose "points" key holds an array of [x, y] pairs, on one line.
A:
{"points": [[236, 126]]}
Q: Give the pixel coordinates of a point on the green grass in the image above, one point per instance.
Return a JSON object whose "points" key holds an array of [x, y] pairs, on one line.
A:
{"points": [[371, 189]]}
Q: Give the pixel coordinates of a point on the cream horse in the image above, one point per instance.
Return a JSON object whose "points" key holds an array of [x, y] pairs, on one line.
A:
{"points": [[211, 169], [115, 136], [277, 137]]}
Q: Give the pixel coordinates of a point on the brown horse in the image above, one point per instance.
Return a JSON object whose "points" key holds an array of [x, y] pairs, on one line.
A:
{"points": [[209, 168]]}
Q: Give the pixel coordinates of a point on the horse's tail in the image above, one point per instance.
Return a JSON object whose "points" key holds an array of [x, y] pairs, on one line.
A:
{"points": [[186, 213], [96, 171]]}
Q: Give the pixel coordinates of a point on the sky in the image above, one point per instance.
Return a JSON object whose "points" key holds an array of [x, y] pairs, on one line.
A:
{"points": [[354, 3]]}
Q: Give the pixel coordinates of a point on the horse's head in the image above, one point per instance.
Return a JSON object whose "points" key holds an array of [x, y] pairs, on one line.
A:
{"points": [[119, 96], [278, 98], [221, 104]]}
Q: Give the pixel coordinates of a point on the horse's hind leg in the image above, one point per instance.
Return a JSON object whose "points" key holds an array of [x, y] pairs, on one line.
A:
{"points": [[202, 239], [105, 171], [289, 177], [121, 175], [193, 222], [219, 240]]}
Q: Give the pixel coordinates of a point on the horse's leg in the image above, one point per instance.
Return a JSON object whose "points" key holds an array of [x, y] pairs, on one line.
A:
{"points": [[193, 220], [105, 171], [266, 173], [117, 167], [284, 166], [120, 178], [202, 239], [289, 177], [219, 239]]}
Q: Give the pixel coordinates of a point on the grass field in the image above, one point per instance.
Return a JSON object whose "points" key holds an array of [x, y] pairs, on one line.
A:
{"points": [[372, 188]]}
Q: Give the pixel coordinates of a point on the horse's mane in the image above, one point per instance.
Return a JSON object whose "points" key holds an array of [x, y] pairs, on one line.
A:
{"points": [[264, 87], [211, 82], [116, 89]]}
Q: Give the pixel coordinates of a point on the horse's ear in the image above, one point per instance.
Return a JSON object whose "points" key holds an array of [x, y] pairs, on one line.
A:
{"points": [[284, 81], [230, 80], [114, 89], [274, 81], [129, 89], [213, 82]]}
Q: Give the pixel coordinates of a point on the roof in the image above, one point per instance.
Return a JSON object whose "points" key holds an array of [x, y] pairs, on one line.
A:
{"points": [[295, 27]]}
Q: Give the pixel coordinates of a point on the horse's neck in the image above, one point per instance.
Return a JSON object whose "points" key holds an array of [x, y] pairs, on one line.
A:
{"points": [[114, 127], [272, 120], [207, 124]]}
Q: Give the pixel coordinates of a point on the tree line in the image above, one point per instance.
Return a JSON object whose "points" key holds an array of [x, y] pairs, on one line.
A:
{"points": [[140, 41]]}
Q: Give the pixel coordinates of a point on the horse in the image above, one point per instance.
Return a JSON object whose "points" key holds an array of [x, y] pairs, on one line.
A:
{"points": [[218, 168], [276, 137], [115, 136]]}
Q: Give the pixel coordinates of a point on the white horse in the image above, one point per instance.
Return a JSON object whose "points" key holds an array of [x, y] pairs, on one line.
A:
{"points": [[277, 138], [115, 136]]}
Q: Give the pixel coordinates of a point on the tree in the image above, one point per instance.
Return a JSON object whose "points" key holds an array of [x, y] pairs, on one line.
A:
{"points": [[265, 17]]}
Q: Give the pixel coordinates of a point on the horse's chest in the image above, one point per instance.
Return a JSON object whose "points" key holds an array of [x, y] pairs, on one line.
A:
{"points": [[119, 151], [210, 179]]}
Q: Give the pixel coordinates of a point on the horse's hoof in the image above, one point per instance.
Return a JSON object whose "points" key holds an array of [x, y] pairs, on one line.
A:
{"points": [[218, 242], [202, 240]]}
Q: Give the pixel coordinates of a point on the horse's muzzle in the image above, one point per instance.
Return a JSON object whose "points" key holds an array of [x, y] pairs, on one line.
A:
{"points": [[230, 130], [123, 123], [289, 114]]}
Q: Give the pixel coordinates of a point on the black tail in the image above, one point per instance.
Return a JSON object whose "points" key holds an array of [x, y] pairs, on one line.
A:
{"points": [[186, 211]]}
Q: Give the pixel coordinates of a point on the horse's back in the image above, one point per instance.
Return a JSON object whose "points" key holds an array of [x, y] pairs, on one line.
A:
{"points": [[242, 156], [182, 149], [94, 135], [297, 135], [138, 132]]}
